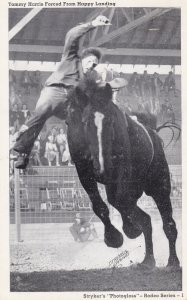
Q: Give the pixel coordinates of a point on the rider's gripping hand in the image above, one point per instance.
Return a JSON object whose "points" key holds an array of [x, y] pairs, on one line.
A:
{"points": [[101, 21]]}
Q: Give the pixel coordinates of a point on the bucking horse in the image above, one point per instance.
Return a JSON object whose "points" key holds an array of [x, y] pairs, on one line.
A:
{"points": [[126, 156]]}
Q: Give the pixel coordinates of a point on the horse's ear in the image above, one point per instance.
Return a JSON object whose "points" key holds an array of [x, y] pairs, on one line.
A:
{"points": [[108, 91], [108, 87], [78, 90]]}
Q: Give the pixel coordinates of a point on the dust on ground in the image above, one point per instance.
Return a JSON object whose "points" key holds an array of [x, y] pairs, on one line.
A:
{"points": [[49, 259]]}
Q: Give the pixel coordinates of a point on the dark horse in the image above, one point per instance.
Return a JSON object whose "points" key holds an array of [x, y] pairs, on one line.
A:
{"points": [[128, 158]]}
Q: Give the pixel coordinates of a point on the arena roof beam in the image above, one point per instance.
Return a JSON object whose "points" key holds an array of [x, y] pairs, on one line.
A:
{"points": [[147, 9], [127, 27], [106, 51], [35, 48], [158, 34], [127, 15], [142, 52], [173, 31], [24, 21], [146, 30]]}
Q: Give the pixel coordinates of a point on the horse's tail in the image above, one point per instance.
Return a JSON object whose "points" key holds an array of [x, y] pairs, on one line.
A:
{"points": [[150, 120], [171, 126]]}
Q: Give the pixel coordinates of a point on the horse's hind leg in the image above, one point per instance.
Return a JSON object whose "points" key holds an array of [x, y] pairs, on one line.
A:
{"points": [[113, 238], [158, 186], [164, 206]]}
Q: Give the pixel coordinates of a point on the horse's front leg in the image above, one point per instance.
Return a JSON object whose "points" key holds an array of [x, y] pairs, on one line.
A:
{"points": [[113, 238]]}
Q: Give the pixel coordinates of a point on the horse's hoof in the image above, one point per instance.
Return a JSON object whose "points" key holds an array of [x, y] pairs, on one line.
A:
{"points": [[173, 262], [113, 238], [148, 264]]}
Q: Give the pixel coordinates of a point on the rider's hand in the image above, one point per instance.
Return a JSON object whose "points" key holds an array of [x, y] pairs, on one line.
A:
{"points": [[101, 21]]}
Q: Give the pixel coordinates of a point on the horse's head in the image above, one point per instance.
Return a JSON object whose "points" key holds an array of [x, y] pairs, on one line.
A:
{"points": [[98, 126], [93, 128], [88, 92], [77, 101]]}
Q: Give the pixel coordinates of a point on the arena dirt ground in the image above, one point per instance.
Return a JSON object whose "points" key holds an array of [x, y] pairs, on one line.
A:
{"points": [[124, 279], [48, 259]]}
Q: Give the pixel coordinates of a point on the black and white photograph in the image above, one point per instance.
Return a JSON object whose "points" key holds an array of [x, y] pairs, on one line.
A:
{"points": [[95, 149]]}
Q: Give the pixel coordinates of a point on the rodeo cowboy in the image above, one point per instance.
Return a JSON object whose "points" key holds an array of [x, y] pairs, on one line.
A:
{"points": [[53, 96]]}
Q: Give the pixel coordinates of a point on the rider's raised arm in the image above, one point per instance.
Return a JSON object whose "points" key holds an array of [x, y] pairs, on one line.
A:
{"points": [[73, 36], [68, 71], [72, 39]]}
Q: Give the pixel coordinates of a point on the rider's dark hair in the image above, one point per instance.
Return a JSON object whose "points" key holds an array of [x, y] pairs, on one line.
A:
{"points": [[91, 51]]}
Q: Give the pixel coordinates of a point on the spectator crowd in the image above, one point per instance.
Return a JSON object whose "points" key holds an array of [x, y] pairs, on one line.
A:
{"points": [[151, 93], [51, 147]]}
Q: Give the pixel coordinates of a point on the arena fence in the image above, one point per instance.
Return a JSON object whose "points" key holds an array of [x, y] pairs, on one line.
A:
{"points": [[54, 195]]}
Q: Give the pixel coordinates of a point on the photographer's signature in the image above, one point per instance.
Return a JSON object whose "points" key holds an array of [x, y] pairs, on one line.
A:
{"points": [[116, 261]]}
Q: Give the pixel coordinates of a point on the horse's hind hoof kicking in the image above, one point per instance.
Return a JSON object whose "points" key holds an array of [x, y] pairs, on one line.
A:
{"points": [[113, 238]]}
